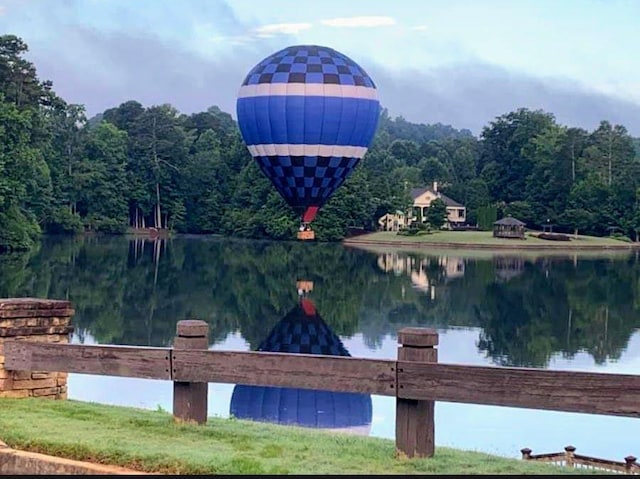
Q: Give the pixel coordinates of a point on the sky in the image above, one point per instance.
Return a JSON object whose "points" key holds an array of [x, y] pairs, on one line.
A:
{"points": [[456, 62]]}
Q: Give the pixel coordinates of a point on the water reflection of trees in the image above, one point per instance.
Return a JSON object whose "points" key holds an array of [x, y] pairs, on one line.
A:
{"points": [[527, 309], [560, 307]]}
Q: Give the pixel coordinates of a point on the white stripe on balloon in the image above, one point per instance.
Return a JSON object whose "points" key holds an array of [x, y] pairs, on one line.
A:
{"points": [[308, 89], [307, 150]]}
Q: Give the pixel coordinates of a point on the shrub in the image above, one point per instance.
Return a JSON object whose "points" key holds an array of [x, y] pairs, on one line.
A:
{"points": [[62, 221], [621, 237]]}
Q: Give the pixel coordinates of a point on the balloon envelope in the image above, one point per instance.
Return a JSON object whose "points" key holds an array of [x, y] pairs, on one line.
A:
{"points": [[307, 114]]}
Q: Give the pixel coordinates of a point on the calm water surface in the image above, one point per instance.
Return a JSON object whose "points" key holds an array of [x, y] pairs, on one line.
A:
{"points": [[552, 311]]}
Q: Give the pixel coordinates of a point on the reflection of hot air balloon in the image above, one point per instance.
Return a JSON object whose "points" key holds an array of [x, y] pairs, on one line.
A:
{"points": [[303, 331], [307, 114]]}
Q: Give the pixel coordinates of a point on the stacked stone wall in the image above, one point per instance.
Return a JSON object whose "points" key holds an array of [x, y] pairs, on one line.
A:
{"points": [[33, 319]]}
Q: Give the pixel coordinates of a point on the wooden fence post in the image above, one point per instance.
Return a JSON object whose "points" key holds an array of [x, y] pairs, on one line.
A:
{"points": [[526, 453], [190, 399], [415, 419], [629, 462], [569, 453]]}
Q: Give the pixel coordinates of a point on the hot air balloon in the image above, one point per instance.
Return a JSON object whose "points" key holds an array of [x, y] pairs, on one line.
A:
{"points": [[307, 114]]}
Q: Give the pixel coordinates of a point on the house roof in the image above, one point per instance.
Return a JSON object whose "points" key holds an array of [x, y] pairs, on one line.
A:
{"points": [[509, 221], [415, 192]]}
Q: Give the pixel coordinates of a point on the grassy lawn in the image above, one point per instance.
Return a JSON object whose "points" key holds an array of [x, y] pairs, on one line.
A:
{"points": [[486, 239], [150, 441]]}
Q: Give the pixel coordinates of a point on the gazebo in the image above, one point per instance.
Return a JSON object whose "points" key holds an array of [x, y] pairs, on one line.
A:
{"points": [[508, 227]]}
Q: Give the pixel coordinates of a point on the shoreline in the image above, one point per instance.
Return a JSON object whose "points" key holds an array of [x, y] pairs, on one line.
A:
{"points": [[425, 244], [373, 239], [366, 240]]}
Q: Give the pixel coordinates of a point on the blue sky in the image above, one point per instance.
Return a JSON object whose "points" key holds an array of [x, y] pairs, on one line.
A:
{"points": [[456, 62]]}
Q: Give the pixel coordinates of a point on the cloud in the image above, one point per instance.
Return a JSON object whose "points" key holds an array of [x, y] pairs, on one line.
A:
{"points": [[101, 69], [268, 31], [262, 32], [3, 9], [359, 22], [142, 68], [275, 29], [466, 96], [472, 95]]}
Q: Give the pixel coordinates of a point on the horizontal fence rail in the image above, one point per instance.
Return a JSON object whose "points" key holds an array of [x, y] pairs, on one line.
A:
{"points": [[582, 392], [125, 361], [307, 371], [593, 393]]}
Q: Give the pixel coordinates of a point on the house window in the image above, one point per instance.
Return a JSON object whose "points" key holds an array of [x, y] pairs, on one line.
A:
{"points": [[460, 213]]}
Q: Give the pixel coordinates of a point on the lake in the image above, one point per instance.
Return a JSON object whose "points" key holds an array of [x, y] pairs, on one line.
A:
{"points": [[569, 311]]}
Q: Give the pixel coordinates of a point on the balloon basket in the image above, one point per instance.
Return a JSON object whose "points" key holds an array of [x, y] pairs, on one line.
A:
{"points": [[304, 285], [306, 235]]}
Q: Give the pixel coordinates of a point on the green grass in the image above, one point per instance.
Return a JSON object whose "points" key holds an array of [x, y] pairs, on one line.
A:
{"points": [[151, 441], [486, 239]]}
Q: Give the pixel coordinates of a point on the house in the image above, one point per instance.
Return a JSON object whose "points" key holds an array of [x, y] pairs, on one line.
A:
{"points": [[422, 198]]}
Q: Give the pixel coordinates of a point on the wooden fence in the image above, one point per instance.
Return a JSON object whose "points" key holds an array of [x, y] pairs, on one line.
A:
{"points": [[569, 458], [415, 378]]}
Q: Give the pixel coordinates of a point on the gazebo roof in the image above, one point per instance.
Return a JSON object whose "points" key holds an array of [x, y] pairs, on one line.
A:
{"points": [[509, 221]]}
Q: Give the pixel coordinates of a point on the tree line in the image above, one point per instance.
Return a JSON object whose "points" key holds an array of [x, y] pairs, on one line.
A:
{"points": [[137, 167]]}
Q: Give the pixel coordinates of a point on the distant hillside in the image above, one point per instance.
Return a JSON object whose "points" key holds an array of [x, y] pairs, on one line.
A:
{"points": [[401, 129]]}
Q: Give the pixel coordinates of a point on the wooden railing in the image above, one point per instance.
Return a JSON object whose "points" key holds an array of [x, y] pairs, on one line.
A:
{"points": [[415, 378], [569, 458]]}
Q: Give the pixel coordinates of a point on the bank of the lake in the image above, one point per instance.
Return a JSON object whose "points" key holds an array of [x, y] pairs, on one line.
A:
{"points": [[485, 240], [151, 441]]}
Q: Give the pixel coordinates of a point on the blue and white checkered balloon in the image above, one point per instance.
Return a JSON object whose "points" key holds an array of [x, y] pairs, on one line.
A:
{"points": [[307, 114]]}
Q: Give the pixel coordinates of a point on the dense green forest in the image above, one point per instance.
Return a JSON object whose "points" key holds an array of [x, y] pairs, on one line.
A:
{"points": [[136, 166]]}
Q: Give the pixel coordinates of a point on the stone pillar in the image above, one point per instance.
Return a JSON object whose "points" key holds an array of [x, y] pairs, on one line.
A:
{"points": [[33, 319]]}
